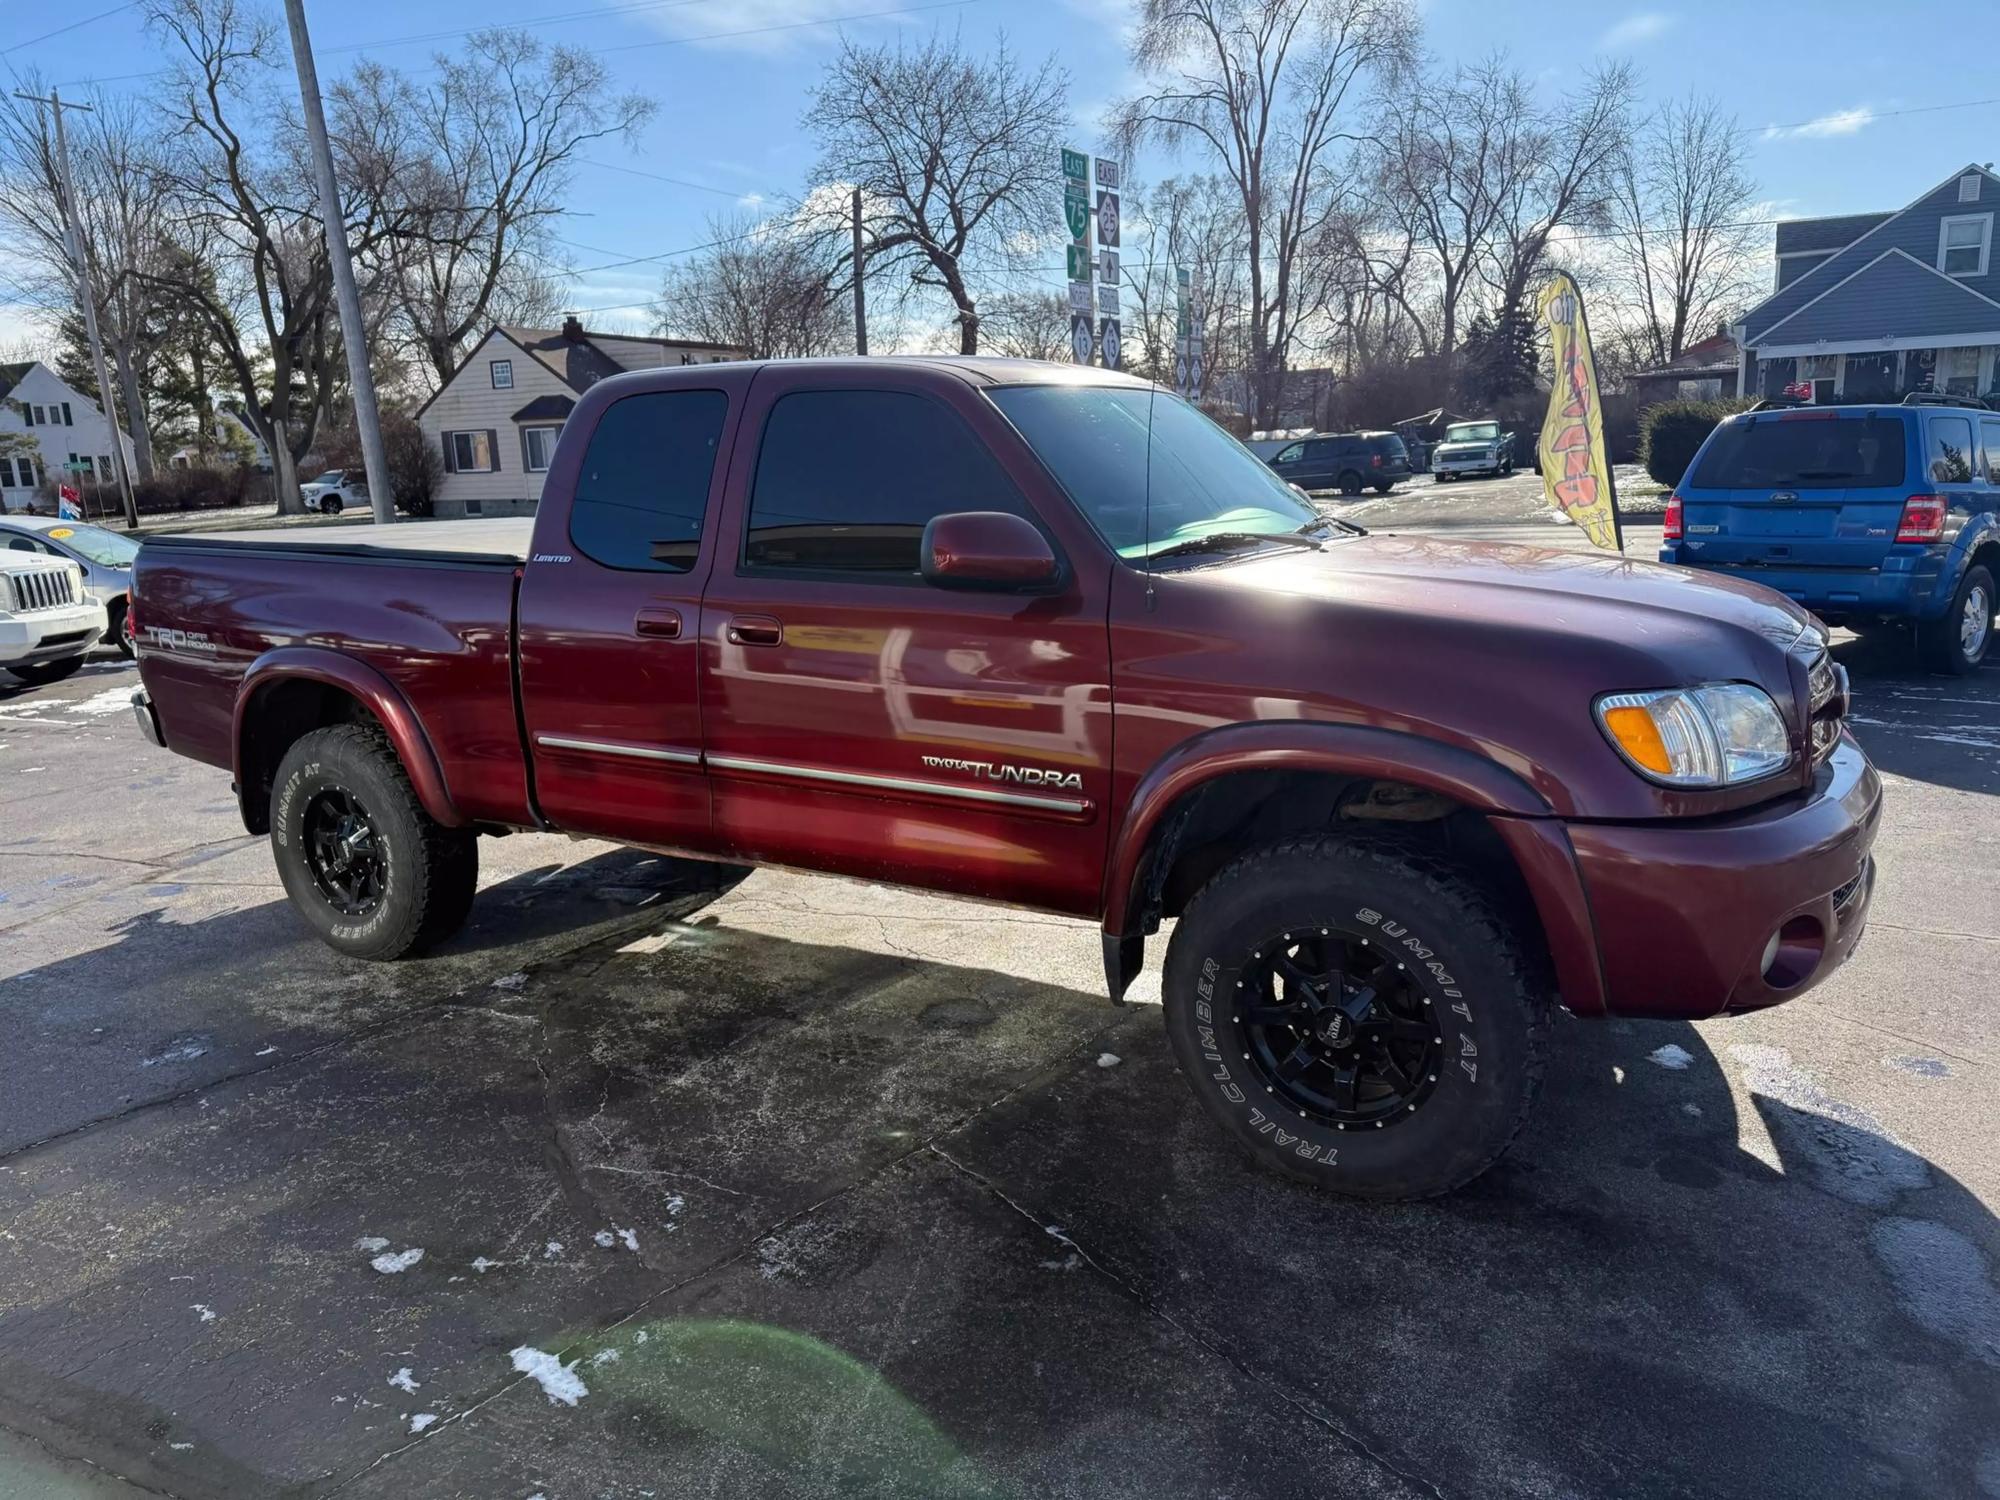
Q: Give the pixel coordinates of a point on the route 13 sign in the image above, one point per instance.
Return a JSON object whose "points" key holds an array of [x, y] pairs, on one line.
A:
{"points": [[1079, 338], [1111, 345]]}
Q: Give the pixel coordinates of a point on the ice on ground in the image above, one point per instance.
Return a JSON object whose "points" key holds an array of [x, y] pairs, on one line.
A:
{"points": [[1108, 1059], [482, 1265], [265, 1052], [371, 1243], [629, 1239], [1673, 1056], [605, 1357], [187, 1049], [402, 1260], [552, 1249], [512, 981], [181, 1447], [207, 1313], [422, 1420], [403, 1380], [605, 1239], [558, 1381]]}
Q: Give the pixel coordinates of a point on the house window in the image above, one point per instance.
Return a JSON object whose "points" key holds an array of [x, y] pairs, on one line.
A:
{"points": [[1963, 242], [6, 473], [1968, 188], [1823, 372], [538, 446], [503, 374], [68, 420], [27, 472], [104, 465], [39, 416], [470, 452], [1958, 372]]}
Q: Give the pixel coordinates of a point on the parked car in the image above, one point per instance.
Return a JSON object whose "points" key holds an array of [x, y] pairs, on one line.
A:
{"points": [[1473, 448], [1346, 461], [1863, 513], [1404, 796], [104, 555], [48, 621], [335, 490]]}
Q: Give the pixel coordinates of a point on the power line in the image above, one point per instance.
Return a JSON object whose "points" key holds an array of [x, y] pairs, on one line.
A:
{"points": [[1871, 115], [700, 187], [73, 25]]}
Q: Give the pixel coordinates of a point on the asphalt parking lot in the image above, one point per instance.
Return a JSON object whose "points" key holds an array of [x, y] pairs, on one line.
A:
{"points": [[657, 1183]]}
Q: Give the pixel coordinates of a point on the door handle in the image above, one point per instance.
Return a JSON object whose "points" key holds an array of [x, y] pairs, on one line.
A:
{"points": [[661, 624], [756, 630]]}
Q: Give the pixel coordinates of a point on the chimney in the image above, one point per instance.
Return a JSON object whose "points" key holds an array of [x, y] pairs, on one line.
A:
{"points": [[572, 329]]}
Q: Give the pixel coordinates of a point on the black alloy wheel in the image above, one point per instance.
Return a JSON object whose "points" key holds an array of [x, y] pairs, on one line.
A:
{"points": [[343, 851], [1338, 1030]]}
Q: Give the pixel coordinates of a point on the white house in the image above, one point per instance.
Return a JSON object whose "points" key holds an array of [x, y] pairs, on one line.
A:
{"points": [[67, 427], [496, 420]]}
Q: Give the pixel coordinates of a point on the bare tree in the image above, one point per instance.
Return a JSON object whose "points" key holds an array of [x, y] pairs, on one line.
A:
{"points": [[1260, 87], [762, 287], [1685, 254], [955, 156], [500, 130], [1027, 325], [1192, 224]]}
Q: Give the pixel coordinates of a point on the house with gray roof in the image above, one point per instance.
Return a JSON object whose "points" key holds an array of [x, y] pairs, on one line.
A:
{"points": [[495, 422], [1870, 307]]}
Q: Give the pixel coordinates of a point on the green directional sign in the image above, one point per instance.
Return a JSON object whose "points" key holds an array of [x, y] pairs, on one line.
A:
{"points": [[1079, 262], [1076, 166], [1076, 210]]}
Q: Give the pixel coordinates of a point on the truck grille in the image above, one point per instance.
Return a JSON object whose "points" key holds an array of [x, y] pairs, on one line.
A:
{"points": [[52, 588], [1826, 703]]}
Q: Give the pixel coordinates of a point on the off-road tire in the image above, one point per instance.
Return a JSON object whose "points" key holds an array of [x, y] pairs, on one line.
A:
{"points": [[430, 872], [42, 673], [1940, 645], [1350, 484], [1460, 951]]}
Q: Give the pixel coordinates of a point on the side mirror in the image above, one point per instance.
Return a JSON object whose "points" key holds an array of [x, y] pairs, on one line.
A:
{"points": [[987, 549]]}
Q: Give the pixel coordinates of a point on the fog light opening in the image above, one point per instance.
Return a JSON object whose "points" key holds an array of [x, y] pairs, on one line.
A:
{"points": [[1793, 952]]}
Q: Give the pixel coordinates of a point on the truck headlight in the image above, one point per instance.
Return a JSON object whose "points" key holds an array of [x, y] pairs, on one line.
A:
{"points": [[1716, 735]]}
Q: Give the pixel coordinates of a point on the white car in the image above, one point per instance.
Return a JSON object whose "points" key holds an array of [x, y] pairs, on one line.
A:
{"points": [[105, 557], [334, 491], [48, 623]]}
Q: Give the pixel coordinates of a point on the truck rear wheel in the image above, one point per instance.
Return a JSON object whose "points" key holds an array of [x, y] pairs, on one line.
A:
{"points": [[1357, 1014], [1957, 642], [371, 872]]}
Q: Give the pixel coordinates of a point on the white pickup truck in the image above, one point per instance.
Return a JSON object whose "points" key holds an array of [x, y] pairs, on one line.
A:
{"points": [[47, 622]]}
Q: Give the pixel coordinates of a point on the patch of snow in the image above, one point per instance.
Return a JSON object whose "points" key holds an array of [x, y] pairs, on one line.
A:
{"points": [[482, 1265], [422, 1420], [185, 1050], [402, 1260], [512, 981], [1691, 1108], [402, 1380], [558, 1381], [641, 1336], [1617, 1074], [371, 1243], [629, 1239], [552, 1249], [116, 700], [1673, 1056], [605, 1239], [181, 1447], [673, 1204], [1108, 1059], [605, 1357], [266, 1052], [207, 1313]]}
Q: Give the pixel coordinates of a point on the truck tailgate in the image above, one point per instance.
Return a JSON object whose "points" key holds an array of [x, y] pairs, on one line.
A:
{"points": [[429, 613]]}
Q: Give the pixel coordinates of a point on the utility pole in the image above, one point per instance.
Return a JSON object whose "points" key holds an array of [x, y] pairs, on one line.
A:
{"points": [[73, 242], [367, 421], [860, 295]]}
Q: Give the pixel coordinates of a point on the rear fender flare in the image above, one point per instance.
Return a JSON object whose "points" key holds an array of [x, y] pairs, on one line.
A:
{"points": [[375, 692]]}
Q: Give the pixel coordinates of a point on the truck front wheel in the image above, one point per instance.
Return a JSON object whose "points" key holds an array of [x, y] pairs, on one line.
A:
{"points": [[1357, 1014], [371, 872]]}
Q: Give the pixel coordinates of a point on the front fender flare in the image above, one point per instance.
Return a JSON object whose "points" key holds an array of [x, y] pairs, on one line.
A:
{"points": [[374, 691]]}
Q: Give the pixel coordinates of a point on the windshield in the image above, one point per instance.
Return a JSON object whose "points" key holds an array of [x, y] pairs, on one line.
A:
{"points": [[331, 476], [1472, 432], [1093, 438], [1803, 453], [105, 548]]}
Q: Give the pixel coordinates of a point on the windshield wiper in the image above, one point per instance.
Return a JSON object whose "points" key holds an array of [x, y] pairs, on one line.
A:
{"points": [[1341, 521], [1229, 541]]}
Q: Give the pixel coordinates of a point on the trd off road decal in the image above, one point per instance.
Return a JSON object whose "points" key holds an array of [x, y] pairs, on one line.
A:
{"points": [[1204, 1014], [1468, 1050]]}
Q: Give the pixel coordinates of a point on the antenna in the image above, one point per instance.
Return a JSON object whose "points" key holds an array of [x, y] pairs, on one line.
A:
{"points": [[1152, 394]]}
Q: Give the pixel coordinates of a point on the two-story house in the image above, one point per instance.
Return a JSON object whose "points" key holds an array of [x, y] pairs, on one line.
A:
{"points": [[495, 422], [1870, 307], [72, 437]]}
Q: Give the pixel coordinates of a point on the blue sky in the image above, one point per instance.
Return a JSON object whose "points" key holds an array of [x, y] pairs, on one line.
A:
{"points": [[731, 76]]}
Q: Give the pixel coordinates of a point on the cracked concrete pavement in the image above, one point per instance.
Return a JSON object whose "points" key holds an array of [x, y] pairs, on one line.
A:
{"points": [[824, 1189]]}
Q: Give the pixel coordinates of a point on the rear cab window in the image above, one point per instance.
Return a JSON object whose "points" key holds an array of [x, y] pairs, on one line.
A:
{"points": [[1808, 452], [642, 492]]}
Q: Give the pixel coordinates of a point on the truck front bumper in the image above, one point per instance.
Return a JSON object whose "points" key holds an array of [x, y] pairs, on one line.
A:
{"points": [[1738, 913], [50, 634], [1464, 463]]}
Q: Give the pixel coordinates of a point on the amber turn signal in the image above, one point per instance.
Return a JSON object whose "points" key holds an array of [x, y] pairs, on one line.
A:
{"points": [[1639, 737]]}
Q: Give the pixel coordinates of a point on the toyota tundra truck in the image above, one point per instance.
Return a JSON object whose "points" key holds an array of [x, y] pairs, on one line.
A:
{"points": [[1046, 636]]}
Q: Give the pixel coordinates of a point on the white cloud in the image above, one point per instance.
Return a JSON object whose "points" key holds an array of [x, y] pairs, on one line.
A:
{"points": [[774, 26], [1636, 30], [1840, 122]]}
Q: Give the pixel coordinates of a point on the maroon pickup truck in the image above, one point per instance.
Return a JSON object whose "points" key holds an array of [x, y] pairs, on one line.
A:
{"points": [[1047, 636]]}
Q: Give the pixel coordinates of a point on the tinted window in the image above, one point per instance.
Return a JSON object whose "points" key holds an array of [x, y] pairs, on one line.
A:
{"points": [[1292, 454], [1989, 437], [643, 488], [1322, 452], [847, 480], [1803, 453], [1949, 452]]}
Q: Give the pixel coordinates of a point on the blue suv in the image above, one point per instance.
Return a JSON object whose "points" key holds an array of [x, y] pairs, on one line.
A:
{"points": [[1861, 513]]}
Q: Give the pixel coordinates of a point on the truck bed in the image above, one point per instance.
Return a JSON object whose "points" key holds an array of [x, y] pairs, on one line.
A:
{"points": [[501, 540]]}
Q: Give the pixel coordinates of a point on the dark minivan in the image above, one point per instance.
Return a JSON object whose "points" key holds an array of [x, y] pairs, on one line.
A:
{"points": [[1862, 513], [1346, 461]]}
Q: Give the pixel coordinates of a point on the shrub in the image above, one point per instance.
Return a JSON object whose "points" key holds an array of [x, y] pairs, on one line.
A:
{"points": [[1671, 433], [416, 469]]}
